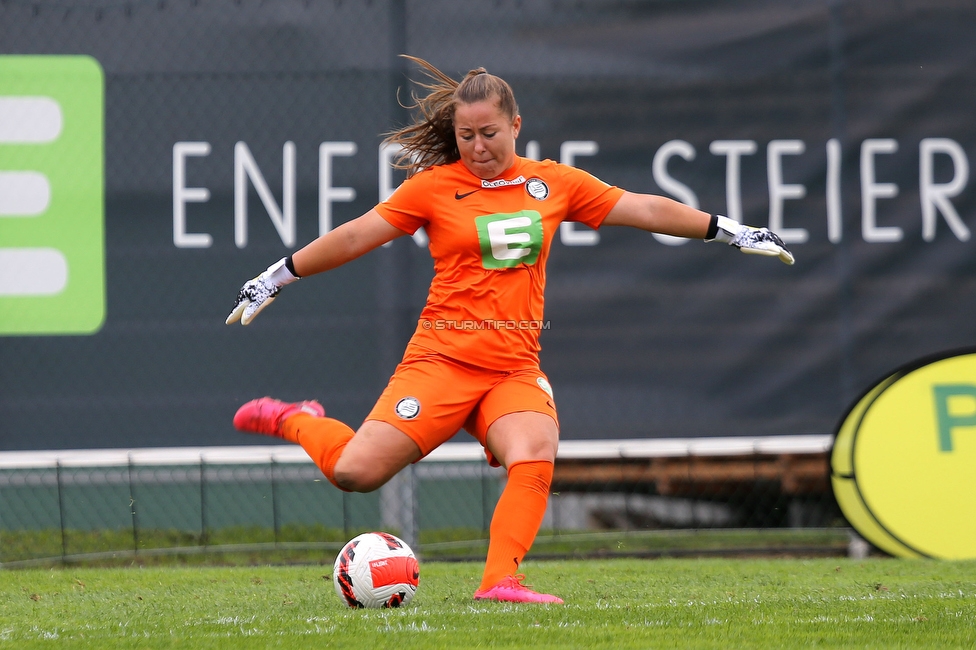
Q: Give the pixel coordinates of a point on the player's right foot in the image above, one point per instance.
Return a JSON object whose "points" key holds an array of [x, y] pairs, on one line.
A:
{"points": [[511, 590], [266, 415]]}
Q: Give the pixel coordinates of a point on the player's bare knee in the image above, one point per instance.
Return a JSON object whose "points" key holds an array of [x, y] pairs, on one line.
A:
{"points": [[543, 449], [350, 481], [535, 449], [358, 480]]}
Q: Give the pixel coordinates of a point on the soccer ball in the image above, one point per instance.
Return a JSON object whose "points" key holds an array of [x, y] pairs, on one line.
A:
{"points": [[376, 570]]}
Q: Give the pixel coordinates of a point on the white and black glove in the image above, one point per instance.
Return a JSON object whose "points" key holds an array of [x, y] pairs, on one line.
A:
{"points": [[756, 241], [260, 292]]}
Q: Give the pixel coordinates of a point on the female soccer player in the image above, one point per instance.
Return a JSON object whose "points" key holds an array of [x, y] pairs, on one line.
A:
{"points": [[473, 362]]}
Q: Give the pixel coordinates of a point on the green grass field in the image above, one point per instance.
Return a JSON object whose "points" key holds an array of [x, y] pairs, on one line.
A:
{"points": [[702, 603], [308, 544]]}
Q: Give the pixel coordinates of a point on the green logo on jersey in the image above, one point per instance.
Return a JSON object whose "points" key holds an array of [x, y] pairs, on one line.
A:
{"points": [[508, 240], [52, 242]]}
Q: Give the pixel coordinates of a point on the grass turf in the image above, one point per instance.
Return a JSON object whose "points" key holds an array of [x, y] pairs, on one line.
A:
{"points": [[619, 603], [308, 544]]}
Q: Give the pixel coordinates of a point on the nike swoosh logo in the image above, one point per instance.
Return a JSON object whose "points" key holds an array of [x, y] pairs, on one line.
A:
{"points": [[459, 196]]}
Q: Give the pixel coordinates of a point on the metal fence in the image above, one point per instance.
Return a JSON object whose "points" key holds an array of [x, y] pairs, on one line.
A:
{"points": [[98, 504]]}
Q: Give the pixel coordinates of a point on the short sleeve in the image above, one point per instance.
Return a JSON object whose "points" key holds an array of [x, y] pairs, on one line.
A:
{"points": [[592, 199], [408, 208]]}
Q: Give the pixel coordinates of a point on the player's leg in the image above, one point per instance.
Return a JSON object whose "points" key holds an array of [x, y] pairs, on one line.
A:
{"points": [[373, 456], [412, 416], [360, 461], [524, 440], [303, 423], [523, 436]]}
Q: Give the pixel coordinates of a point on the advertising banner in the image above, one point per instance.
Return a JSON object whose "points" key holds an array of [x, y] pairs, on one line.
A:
{"points": [[903, 458], [154, 156]]}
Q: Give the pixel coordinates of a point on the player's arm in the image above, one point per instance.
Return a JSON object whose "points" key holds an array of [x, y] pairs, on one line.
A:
{"points": [[669, 217], [658, 214], [344, 244]]}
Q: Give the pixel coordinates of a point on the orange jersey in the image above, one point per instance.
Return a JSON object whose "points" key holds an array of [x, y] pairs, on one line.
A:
{"points": [[490, 241]]}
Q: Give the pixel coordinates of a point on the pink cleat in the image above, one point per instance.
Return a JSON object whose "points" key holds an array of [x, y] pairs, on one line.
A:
{"points": [[511, 590], [265, 415]]}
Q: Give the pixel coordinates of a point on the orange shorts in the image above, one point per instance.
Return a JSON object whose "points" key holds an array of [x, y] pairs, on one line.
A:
{"points": [[431, 397]]}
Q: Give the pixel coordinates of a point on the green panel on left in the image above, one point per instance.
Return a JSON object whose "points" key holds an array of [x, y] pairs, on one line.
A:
{"points": [[52, 206]]}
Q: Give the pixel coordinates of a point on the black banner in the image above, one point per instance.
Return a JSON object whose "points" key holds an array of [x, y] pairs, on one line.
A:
{"points": [[237, 131]]}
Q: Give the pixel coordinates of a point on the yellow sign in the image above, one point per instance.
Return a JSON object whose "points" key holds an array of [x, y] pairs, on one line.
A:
{"points": [[903, 466]]}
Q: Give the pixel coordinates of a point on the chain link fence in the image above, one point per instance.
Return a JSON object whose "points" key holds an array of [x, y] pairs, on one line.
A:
{"points": [[143, 504]]}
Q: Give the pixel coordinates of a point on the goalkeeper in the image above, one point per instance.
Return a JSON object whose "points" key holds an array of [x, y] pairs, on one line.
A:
{"points": [[473, 362]]}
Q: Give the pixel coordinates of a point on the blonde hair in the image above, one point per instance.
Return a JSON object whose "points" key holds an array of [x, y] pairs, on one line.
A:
{"points": [[430, 140]]}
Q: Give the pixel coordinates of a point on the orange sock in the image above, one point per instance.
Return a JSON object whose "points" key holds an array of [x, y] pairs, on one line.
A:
{"points": [[323, 439], [517, 518]]}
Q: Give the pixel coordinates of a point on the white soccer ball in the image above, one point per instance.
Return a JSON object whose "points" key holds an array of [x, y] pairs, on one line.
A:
{"points": [[376, 570]]}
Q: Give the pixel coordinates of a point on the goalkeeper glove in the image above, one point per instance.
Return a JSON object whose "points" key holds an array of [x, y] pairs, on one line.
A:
{"points": [[756, 241], [258, 293]]}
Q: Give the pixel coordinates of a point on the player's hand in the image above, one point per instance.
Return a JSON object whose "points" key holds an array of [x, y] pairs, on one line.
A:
{"points": [[762, 241], [755, 241], [260, 292]]}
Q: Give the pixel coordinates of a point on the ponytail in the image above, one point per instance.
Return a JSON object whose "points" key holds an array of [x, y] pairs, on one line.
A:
{"points": [[430, 139]]}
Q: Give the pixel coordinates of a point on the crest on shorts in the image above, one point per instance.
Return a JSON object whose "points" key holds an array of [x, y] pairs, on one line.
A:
{"points": [[537, 189], [407, 408], [544, 385]]}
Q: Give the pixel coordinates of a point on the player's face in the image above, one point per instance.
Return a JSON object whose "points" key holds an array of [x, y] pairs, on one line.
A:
{"points": [[485, 138]]}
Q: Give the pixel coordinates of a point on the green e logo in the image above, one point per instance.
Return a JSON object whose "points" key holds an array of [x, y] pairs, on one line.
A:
{"points": [[52, 244], [949, 418], [508, 240]]}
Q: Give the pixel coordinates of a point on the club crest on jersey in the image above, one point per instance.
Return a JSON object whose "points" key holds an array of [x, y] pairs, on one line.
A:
{"points": [[544, 385], [407, 408], [537, 189], [502, 183]]}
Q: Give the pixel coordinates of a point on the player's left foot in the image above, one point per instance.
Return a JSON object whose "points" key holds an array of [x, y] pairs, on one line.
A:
{"points": [[511, 590], [265, 415]]}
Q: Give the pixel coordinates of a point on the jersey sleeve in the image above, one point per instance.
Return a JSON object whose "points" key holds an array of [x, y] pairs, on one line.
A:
{"points": [[409, 205], [592, 199]]}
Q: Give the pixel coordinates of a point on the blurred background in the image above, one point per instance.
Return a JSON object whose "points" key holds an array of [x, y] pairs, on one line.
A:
{"points": [[235, 131]]}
